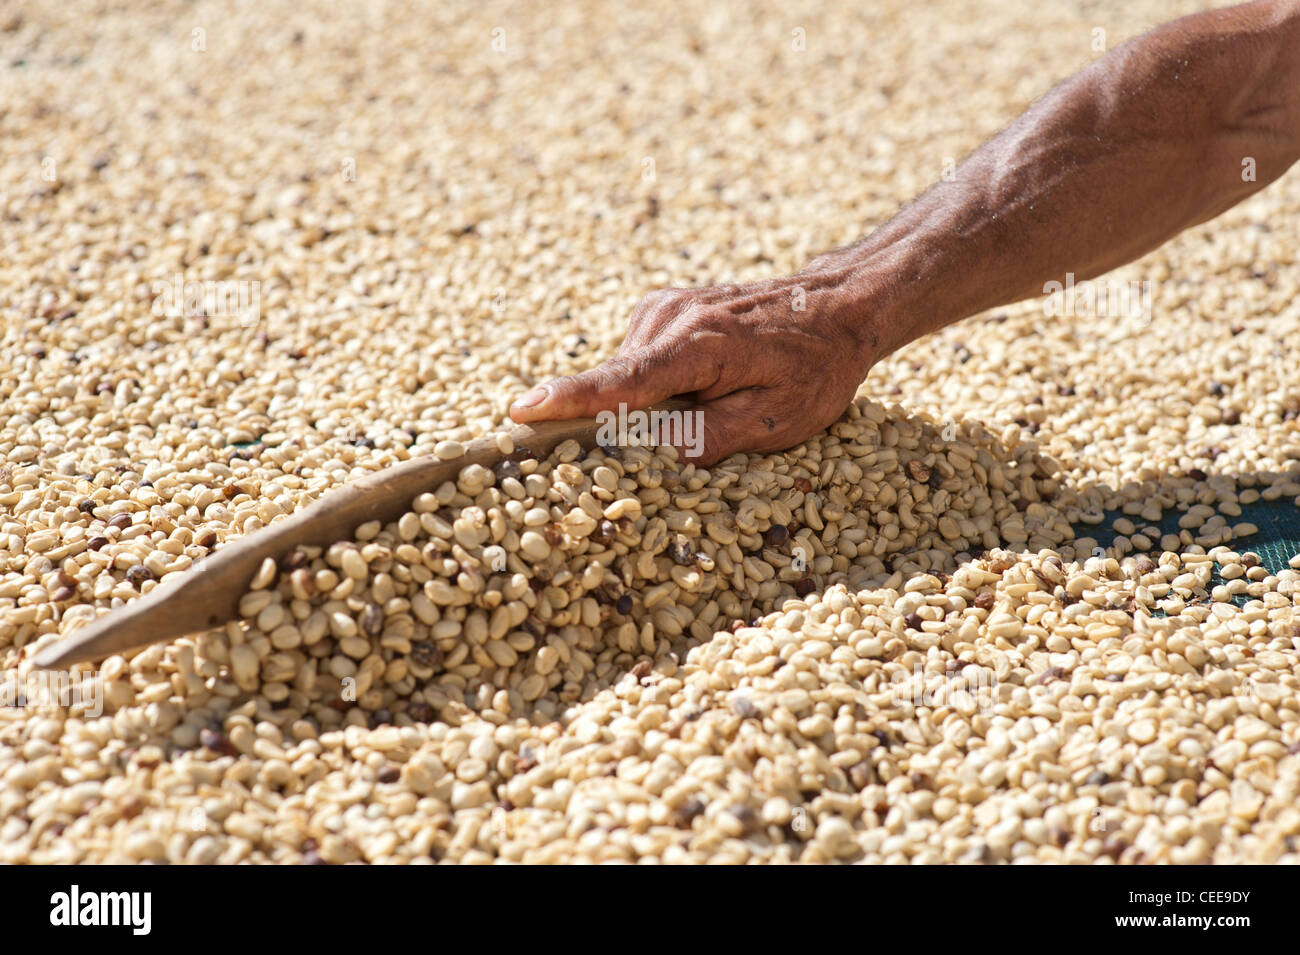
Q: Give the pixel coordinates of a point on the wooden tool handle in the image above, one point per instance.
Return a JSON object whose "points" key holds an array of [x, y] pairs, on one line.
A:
{"points": [[209, 595]]}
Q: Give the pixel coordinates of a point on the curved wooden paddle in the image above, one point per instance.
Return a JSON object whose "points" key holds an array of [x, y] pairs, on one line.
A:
{"points": [[209, 595]]}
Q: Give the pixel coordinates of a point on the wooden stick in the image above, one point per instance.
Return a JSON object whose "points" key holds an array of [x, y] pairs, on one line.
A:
{"points": [[209, 595]]}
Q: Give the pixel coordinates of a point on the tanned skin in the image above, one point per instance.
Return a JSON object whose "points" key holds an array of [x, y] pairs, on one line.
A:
{"points": [[1144, 143]]}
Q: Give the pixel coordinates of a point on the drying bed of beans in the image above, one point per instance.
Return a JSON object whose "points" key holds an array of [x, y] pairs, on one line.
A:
{"points": [[894, 643]]}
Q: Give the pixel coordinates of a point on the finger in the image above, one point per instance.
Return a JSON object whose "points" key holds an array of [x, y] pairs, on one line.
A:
{"points": [[637, 380]]}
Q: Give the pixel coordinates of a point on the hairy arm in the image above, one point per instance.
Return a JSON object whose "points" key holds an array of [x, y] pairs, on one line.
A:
{"points": [[1149, 140], [1154, 137]]}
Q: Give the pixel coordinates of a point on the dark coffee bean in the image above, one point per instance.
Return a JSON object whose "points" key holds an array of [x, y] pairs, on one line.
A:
{"points": [[507, 469], [217, 742], [984, 599], [138, 574], [687, 812], [120, 521], [913, 621], [294, 560], [389, 774], [426, 654], [87, 506], [1216, 389], [624, 605], [776, 535], [95, 543], [744, 707], [372, 620], [804, 587], [604, 532], [421, 712]]}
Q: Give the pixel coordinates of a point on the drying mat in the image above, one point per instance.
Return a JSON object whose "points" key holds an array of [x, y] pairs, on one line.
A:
{"points": [[1276, 541]]}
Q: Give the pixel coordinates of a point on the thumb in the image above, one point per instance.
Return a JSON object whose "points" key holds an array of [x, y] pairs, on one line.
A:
{"points": [[638, 379]]}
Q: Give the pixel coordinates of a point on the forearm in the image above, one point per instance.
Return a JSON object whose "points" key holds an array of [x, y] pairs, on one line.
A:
{"points": [[1157, 136], [1144, 143]]}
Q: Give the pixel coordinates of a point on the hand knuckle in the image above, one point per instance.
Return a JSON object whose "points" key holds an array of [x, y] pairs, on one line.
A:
{"points": [[660, 300]]}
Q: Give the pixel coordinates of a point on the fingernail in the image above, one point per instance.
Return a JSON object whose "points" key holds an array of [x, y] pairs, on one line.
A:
{"points": [[533, 398]]}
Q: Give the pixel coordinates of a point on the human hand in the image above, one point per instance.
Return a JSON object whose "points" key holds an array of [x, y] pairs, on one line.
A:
{"points": [[767, 364]]}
